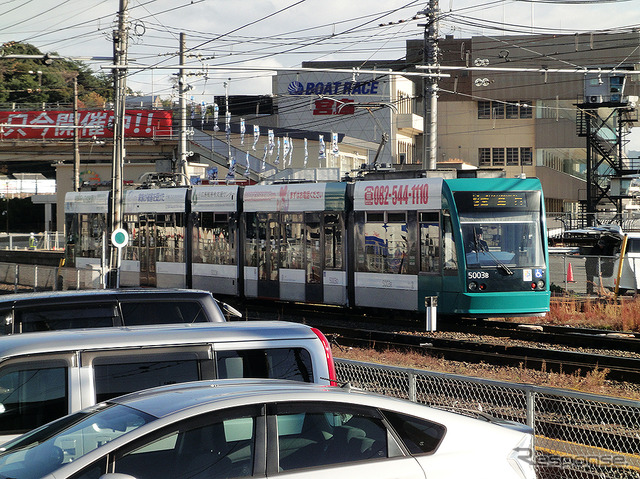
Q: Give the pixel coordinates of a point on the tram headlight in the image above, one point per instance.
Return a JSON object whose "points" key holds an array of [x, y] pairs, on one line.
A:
{"points": [[540, 284], [473, 286]]}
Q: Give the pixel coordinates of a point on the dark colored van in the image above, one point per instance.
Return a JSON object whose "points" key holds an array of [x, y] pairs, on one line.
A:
{"points": [[49, 311]]}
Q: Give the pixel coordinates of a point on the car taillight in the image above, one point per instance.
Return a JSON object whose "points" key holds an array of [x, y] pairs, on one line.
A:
{"points": [[328, 356]]}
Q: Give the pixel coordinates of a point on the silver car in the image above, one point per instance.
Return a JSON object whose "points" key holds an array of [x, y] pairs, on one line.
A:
{"points": [[266, 428]]}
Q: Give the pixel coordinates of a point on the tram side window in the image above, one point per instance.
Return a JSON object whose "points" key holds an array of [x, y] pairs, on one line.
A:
{"points": [[450, 256], [313, 248], [131, 251], [429, 242], [292, 242], [333, 241], [386, 244], [91, 230], [251, 240], [269, 235], [71, 225], [215, 243], [170, 230]]}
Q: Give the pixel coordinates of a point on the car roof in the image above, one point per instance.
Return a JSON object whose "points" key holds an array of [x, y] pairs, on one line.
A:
{"points": [[151, 335], [165, 400], [47, 297], [192, 398]]}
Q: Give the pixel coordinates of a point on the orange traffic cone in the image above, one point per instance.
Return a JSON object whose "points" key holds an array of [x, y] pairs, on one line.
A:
{"points": [[570, 274]]}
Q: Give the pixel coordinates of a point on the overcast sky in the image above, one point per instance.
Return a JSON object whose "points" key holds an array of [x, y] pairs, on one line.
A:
{"points": [[278, 33]]}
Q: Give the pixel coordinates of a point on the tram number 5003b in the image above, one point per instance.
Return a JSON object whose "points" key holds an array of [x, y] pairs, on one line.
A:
{"points": [[477, 275], [383, 195]]}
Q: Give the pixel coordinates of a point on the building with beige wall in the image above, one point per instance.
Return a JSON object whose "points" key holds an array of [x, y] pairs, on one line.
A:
{"points": [[520, 122], [525, 121]]}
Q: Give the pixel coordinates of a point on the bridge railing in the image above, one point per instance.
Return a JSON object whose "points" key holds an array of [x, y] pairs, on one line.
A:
{"points": [[48, 241]]}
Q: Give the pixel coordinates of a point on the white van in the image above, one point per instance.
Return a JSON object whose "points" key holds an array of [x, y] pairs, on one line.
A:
{"points": [[630, 275], [44, 376]]}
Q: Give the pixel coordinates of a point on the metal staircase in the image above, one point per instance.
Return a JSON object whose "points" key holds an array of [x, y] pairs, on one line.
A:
{"points": [[605, 128]]}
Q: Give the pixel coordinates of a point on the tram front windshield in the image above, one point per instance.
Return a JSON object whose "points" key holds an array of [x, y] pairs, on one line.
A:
{"points": [[501, 229]]}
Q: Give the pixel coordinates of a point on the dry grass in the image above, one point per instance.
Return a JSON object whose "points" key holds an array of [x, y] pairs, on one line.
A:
{"points": [[593, 382], [622, 314]]}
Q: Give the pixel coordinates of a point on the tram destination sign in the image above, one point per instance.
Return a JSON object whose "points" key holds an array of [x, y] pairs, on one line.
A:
{"points": [[499, 200], [468, 201]]}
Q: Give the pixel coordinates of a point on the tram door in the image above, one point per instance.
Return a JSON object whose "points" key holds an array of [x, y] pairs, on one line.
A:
{"points": [[148, 241], [268, 239], [314, 263]]}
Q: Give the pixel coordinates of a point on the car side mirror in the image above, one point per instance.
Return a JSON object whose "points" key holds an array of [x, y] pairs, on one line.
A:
{"points": [[229, 310], [116, 475]]}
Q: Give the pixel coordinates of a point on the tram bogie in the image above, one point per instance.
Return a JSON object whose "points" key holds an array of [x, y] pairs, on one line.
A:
{"points": [[479, 245]]}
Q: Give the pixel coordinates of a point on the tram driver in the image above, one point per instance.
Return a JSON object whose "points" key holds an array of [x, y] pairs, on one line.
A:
{"points": [[477, 244]]}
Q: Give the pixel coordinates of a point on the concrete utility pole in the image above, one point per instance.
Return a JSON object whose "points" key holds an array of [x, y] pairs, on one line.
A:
{"points": [[430, 87], [76, 138], [182, 141], [120, 42]]}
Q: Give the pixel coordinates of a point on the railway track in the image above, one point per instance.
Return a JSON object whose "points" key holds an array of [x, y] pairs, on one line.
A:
{"points": [[535, 357], [551, 348], [556, 335]]}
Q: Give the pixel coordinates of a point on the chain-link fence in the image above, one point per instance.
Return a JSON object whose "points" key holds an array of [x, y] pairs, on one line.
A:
{"points": [[583, 274], [577, 435]]}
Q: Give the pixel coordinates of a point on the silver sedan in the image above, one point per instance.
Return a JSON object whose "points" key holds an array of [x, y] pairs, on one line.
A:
{"points": [[267, 428]]}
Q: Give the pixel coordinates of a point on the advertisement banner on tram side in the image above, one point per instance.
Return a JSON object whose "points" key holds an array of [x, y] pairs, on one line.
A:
{"points": [[170, 200], [86, 202], [299, 198], [58, 125], [218, 198], [409, 194]]}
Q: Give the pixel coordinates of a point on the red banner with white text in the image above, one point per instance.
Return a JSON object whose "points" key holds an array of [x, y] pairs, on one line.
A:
{"points": [[30, 125]]}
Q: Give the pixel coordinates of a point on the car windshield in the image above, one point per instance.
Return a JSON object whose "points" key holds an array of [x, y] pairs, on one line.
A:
{"points": [[49, 447]]}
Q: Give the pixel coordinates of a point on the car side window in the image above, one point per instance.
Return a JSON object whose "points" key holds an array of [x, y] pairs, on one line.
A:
{"points": [[213, 446], [280, 363], [310, 436], [66, 317], [419, 435], [31, 395], [94, 471], [162, 312], [115, 379]]}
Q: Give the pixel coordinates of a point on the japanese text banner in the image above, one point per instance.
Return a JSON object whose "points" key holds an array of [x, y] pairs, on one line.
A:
{"points": [[28, 125]]}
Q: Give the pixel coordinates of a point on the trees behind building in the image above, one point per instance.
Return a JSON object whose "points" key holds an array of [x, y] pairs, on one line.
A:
{"points": [[49, 80]]}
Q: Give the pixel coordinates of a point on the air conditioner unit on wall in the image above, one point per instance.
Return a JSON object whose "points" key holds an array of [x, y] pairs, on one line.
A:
{"points": [[595, 99]]}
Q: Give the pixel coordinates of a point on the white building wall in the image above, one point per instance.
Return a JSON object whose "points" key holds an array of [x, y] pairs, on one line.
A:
{"points": [[322, 101]]}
